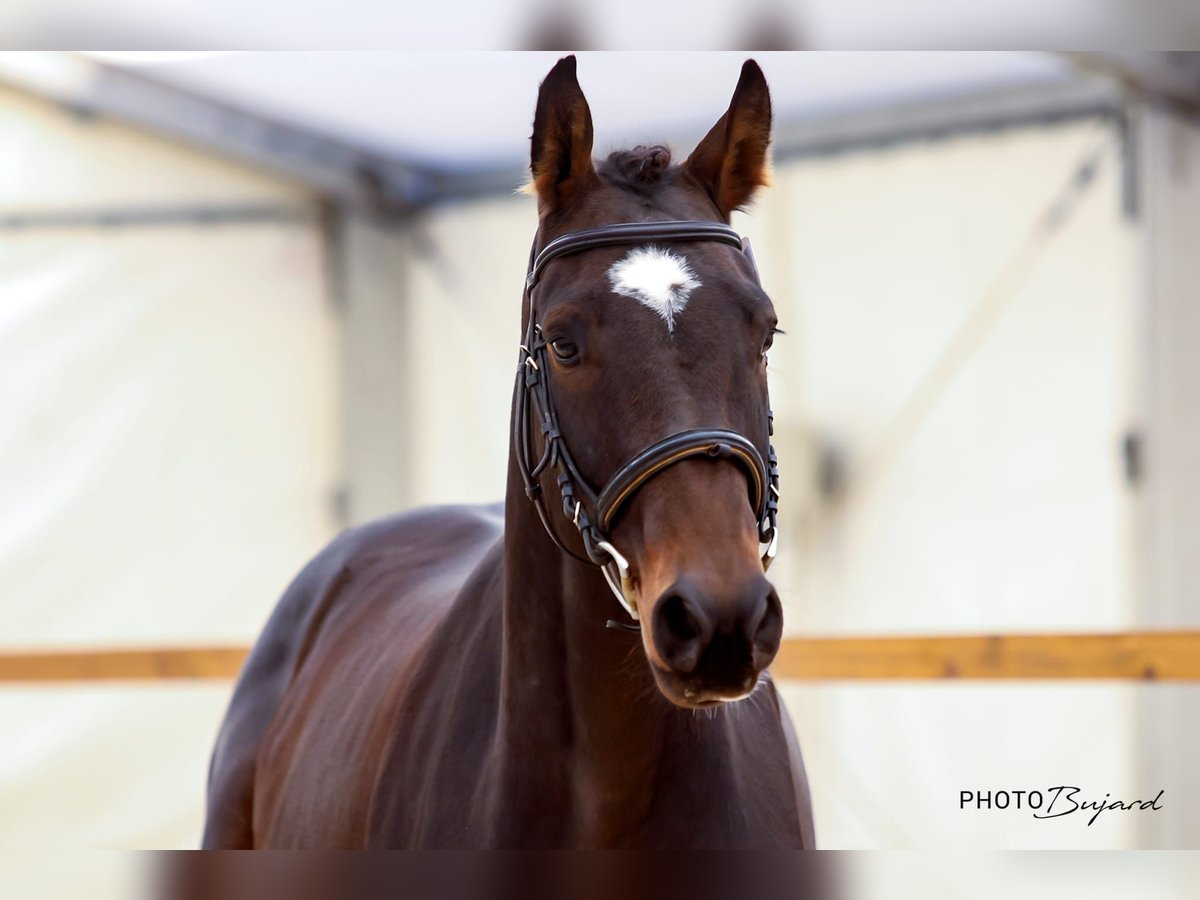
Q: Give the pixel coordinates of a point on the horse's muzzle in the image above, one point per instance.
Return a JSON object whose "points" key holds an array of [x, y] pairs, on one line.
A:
{"points": [[713, 648]]}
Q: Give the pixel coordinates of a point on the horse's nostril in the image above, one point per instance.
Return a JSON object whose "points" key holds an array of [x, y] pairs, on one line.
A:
{"points": [[679, 632], [679, 619], [767, 631], [757, 614]]}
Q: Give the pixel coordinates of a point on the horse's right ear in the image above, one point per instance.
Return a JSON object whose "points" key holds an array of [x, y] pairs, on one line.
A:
{"points": [[561, 161]]}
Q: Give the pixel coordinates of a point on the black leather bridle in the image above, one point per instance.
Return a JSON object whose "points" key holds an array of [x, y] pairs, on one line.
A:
{"points": [[593, 512]]}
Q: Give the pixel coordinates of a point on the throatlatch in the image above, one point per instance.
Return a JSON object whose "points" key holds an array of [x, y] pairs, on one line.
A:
{"points": [[591, 512]]}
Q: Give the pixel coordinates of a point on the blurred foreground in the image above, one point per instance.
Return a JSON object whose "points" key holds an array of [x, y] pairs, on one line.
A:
{"points": [[764, 876]]}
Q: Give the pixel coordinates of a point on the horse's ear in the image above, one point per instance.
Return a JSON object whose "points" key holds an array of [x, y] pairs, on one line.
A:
{"points": [[731, 162], [561, 161]]}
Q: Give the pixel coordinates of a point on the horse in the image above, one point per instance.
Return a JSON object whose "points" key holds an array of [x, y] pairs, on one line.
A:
{"points": [[580, 666]]}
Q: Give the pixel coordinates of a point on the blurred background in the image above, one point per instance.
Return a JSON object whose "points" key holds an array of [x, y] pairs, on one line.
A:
{"points": [[248, 299], [599, 24]]}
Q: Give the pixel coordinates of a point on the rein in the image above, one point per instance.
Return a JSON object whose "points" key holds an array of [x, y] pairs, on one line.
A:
{"points": [[592, 512]]}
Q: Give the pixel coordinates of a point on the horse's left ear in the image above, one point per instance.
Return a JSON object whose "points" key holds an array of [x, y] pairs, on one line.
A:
{"points": [[731, 162]]}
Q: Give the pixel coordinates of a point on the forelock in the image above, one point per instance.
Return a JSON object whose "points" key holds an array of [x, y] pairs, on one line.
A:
{"points": [[641, 168]]}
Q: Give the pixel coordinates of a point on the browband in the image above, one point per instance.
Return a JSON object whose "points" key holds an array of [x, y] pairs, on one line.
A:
{"points": [[628, 233]]}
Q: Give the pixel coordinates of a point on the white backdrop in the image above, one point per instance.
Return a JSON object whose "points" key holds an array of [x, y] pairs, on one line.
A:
{"points": [[1006, 508], [167, 461]]}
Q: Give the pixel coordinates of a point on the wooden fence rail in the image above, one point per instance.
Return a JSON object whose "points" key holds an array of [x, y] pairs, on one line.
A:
{"points": [[1141, 656]]}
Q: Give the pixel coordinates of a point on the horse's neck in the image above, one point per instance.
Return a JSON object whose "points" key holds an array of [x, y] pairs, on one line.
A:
{"points": [[581, 717]]}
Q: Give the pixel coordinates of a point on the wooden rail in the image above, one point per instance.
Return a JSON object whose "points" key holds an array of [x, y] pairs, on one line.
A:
{"points": [[1141, 656], [150, 664]]}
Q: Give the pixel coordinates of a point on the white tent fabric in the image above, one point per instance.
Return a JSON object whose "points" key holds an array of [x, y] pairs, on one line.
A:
{"points": [[1005, 510], [153, 377], [168, 459]]}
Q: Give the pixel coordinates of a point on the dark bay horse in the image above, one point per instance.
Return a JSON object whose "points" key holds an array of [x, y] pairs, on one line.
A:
{"points": [[445, 678]]}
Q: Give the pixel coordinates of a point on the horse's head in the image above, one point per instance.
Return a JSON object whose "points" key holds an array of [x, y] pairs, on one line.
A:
{"points": [[649, 339]]}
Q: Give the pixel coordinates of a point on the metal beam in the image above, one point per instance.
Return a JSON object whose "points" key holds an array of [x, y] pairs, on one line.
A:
{"points": [[327, 163], [392, 187], [384, 184], [1033, 105], [1171, 78], [148, 216]]}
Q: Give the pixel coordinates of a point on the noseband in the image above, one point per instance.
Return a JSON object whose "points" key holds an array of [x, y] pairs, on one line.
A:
{"points": [[593, 512]]}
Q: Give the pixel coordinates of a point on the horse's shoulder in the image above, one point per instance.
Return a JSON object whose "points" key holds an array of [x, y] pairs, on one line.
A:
{"points": [[367, 585], [432, 537], [444, 526]]}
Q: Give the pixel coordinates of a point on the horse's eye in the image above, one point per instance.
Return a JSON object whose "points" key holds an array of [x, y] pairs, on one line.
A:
{"points": [[564, 349], [769, 342]]}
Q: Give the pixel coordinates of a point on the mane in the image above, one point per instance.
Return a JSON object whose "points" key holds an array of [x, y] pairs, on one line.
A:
{"points": [[641, 168]]}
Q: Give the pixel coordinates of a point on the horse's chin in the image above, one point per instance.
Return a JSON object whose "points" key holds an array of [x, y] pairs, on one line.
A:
{"points": [[689, 694]]}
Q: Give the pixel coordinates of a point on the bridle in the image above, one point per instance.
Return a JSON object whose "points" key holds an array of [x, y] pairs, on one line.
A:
{"points": [[593, 512]]}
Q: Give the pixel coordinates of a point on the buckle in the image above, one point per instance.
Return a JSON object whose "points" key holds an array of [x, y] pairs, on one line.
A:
{"points": [[620, 582]]}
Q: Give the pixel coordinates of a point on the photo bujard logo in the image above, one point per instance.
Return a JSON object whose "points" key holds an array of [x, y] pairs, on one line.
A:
{"points": [[1053, 803]]}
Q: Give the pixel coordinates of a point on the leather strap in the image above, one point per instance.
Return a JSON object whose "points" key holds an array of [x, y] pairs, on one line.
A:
{"points": [[716, 443], [628, 233]]}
